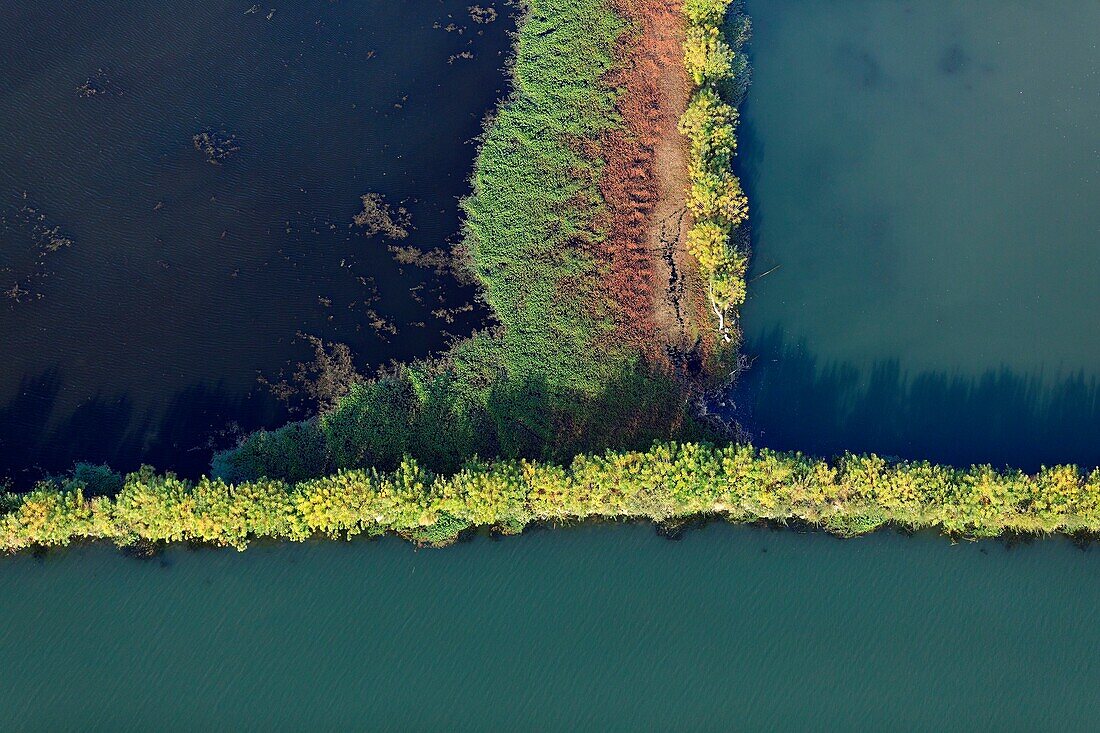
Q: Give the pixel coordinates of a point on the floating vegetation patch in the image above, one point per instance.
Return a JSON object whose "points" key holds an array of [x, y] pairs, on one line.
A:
{"points": [[97, 85], [320, 383], [434, 259], [256, 9], [217, 145], [480, 14], [378, 217], [448, 315], [454, 265], [382, 326], [28, 239]]}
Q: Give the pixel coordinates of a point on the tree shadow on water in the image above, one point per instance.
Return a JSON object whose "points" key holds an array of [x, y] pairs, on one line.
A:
{"points": [[791, 400], [748, 165], [179, 436]]}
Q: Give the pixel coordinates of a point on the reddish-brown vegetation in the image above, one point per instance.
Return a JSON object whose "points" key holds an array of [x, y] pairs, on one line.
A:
{"points": [[645, 181]]}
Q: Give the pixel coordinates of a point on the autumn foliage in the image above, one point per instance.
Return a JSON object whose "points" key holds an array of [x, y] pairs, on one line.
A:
{"points": [[629, 182]]}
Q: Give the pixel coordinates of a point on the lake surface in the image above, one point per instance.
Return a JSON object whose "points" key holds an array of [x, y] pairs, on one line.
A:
{"points": [[925, 177], [141, 339], [597, 628]]}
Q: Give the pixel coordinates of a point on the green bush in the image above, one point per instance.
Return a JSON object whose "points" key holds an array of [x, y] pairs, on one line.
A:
{"points": [[97, 480], [293, 452]]}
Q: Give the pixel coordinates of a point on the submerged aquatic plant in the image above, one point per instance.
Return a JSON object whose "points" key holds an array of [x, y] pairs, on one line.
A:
{"points": [[217, 145], [378, 217]]}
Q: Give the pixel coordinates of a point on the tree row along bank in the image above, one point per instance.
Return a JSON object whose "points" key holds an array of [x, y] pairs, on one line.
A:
{"points": [[566, 194], [670, 481]]}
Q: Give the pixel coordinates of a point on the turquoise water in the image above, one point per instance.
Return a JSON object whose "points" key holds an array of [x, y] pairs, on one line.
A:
{"points": [[925, 177], [575, 629]]}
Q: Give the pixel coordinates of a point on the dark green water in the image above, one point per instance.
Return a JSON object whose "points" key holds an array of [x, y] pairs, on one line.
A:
{"points": [[578, 629], [926, 178]]}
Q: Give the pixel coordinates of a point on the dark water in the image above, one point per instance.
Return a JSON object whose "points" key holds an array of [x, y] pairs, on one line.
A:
{"points": [[583, 629], [142, 339], [926, 179]]}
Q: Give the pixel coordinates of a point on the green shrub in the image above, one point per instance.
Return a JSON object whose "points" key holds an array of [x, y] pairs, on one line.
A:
{"points": [[97, 480], [293, 452]]}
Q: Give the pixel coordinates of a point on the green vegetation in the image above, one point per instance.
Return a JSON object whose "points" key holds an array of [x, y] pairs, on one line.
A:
{"points": [[533, 218], [444, 411], [716, 199], [550, 380], [670, 481]]}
